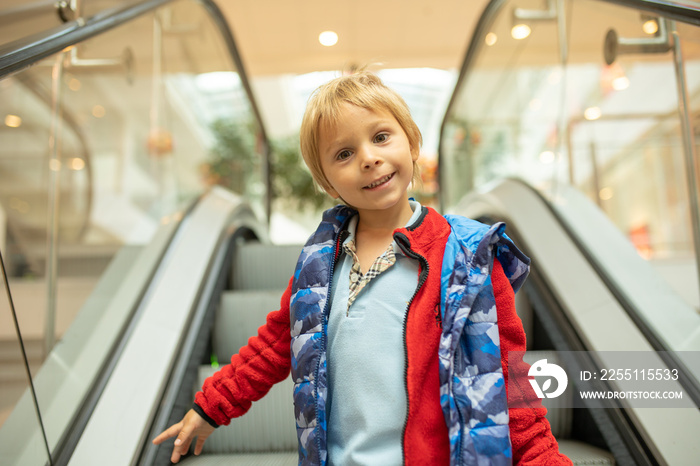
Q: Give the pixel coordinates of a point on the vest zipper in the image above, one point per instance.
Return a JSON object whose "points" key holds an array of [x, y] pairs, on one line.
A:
{"points": [[461, 436], [405, 246], [334, 258]]}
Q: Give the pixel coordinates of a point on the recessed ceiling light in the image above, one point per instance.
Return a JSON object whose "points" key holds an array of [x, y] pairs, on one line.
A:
{"points": [[650, 27], [606, 193], [77, 164], [328, 38], [98, 111], [74, 84], [490, 39], [13, 121], [621, 83], [592, 113], [520, 31], [547, 157]]}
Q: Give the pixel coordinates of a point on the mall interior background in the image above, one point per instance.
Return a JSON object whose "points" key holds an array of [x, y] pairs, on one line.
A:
{"points": [[105, 143]]}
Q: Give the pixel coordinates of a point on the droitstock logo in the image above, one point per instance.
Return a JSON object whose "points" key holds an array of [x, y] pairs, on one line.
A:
{"points": [[544, 369]]}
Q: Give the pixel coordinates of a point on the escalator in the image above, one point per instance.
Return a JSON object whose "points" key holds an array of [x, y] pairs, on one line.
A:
{"points": [[575, 122], [570, 305], [107, 193], [195, 273], [555, 312], [267, 433]]}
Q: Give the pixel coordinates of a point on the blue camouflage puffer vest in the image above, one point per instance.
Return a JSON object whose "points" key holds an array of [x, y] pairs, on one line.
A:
{"points": [[472, 389]]}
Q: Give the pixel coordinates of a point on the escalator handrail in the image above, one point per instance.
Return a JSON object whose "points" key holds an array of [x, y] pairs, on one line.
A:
{"points": [[488, 205], [669, 9], [27, 51], [656, 341], [544, 234], [227, 33], [161, 323]]}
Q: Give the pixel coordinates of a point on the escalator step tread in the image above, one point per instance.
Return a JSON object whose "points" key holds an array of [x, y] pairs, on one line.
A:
{"points": [[582, 453], [238, 317], [267, 427], [244, 459], [264, 266]]}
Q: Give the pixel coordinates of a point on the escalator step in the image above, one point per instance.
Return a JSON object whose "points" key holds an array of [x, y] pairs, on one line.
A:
{"points": [[238, 317], [267, 427], [583, 453], [257, 459], [259, 266]]}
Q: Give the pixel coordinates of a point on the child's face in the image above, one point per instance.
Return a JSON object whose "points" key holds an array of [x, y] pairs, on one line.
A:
{"points": [[367, 159]]}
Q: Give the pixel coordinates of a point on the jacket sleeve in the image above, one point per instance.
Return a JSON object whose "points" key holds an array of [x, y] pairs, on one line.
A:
{"points": [[263, 362], [530, 432]]}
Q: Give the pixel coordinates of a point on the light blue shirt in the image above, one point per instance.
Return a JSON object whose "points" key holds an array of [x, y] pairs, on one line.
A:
{"points": [[367, 404]]}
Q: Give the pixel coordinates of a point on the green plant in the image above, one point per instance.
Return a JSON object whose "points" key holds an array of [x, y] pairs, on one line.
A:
{"points": [[292, 182], [234, 159]]}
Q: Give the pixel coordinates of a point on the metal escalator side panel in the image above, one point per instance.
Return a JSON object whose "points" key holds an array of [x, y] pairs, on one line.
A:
{"points": [[599, 318], [123, 414]]}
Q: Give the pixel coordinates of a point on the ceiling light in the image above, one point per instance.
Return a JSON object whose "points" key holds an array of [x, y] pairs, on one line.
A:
{"points": [[592, 113], [621, 83], [547, 157], [651, 27], [606, 194], [74, 84], [77, 164], [554, 77], [490, 39], [520, 31], [13, 121], [98, 111], [328, 38]]}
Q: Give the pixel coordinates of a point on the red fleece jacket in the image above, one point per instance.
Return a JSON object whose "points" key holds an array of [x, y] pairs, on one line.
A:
{"points": [[266, 361]]}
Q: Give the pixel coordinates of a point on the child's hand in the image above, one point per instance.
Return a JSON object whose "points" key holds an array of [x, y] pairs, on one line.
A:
{"points": [[191, 426]]}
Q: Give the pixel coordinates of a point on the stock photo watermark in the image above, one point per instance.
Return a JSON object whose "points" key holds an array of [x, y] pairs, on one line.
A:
{"points": [[603, 379]]}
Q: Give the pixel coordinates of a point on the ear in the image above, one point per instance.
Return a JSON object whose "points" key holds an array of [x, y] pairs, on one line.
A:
{"points": [[415, 153]]}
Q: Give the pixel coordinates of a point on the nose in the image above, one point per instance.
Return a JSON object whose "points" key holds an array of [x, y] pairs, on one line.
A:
{"points": [[369, 159]]}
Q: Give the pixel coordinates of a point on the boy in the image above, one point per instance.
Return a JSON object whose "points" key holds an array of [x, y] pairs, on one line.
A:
{"points": [[388, 324]]}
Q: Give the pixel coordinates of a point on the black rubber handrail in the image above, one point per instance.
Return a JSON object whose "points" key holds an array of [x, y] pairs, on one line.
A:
{"points": [[24, 52], [669, 356], [671, 10]]}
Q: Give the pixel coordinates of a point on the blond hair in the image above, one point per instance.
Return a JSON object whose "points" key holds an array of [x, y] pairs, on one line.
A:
{"points": [[363, 89]]}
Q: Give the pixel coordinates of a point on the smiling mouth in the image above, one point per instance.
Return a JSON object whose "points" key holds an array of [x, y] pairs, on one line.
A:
{"points": [[380, 181]]}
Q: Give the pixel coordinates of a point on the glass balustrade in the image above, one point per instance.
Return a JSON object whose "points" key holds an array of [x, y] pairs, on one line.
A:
{"points": [[589, 96], [103, 146]]}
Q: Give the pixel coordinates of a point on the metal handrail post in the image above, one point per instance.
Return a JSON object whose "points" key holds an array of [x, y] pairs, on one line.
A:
{"points": [[691, 166], [54, 171]]}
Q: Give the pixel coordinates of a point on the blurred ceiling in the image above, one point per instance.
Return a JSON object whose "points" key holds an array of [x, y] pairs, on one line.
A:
{"points": [[279, 36]]}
